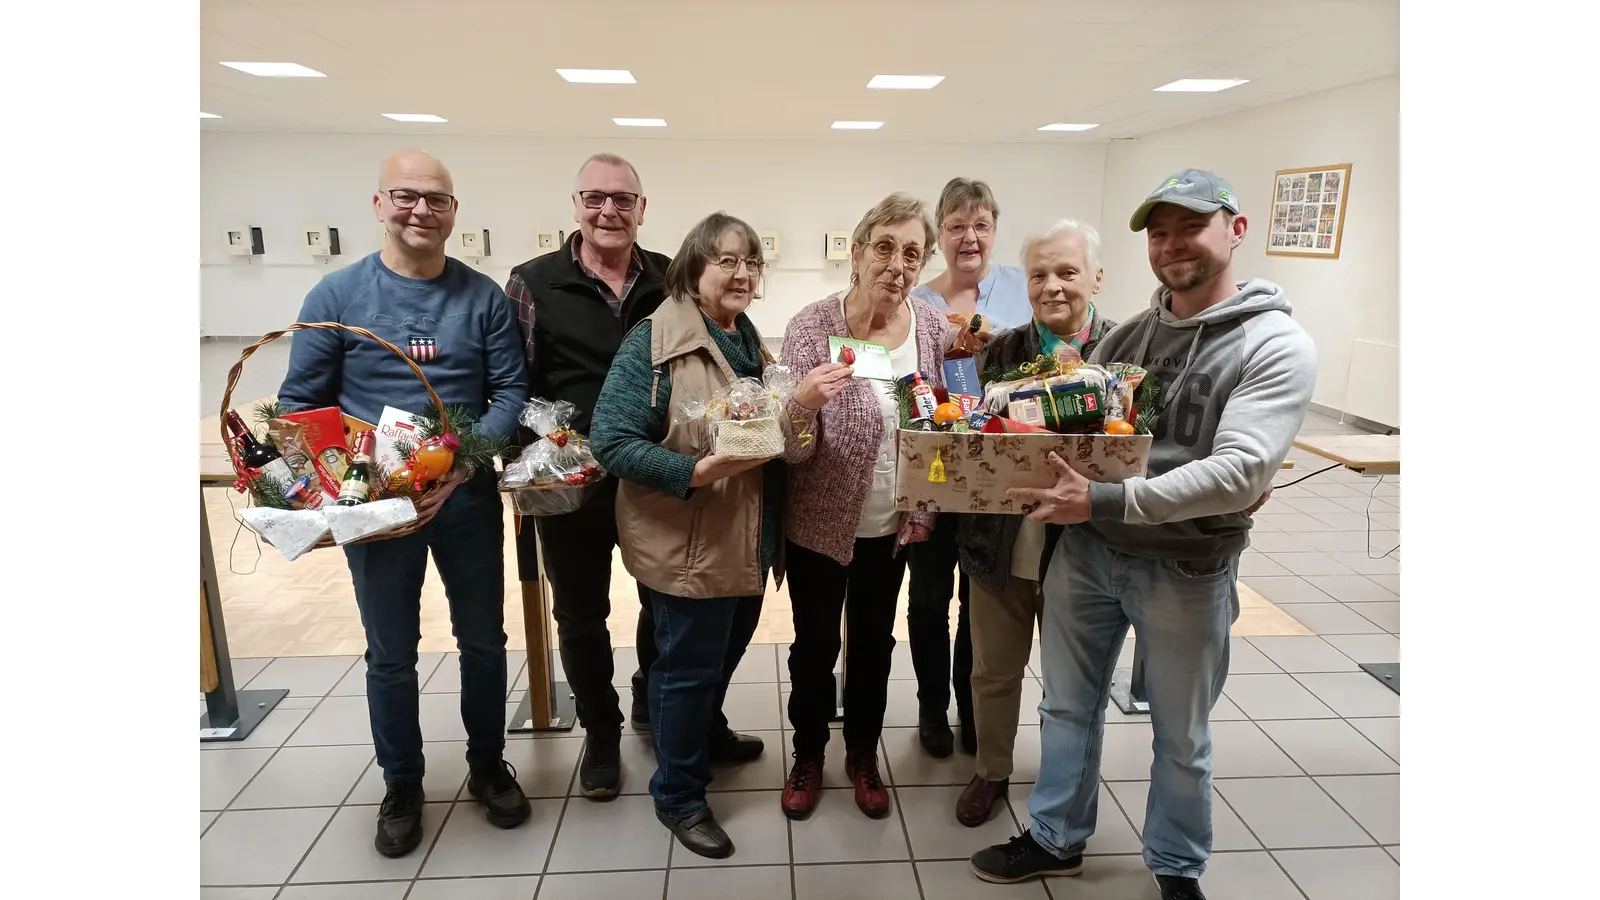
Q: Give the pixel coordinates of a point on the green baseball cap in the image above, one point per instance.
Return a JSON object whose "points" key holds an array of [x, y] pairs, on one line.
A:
{"points": [[1195, 189]]}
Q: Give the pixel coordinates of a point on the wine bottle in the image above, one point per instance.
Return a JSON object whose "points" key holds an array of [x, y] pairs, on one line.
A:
{"points": [[259, 455], [357, 486]]}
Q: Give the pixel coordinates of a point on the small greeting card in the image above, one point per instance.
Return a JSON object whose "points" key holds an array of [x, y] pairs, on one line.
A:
{"points": [[868, 359]]}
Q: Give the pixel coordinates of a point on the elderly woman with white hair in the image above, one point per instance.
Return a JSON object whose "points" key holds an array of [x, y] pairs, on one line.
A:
{"points": [[1005, 556]]}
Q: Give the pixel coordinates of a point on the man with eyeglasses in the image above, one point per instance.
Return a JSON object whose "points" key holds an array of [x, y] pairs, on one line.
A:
{"points": [[411, 294], [574, 306]]}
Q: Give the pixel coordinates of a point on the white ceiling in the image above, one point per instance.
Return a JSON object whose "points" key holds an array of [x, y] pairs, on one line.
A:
{"points": [[779, 69]]}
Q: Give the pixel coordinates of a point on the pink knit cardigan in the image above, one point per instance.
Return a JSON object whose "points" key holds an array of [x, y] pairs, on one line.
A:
{"points": [[830, 477]]}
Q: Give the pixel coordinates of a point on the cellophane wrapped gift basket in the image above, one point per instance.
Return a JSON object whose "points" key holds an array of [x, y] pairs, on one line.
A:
{"points": [[745, 418], [320, 478], [556, 474]]}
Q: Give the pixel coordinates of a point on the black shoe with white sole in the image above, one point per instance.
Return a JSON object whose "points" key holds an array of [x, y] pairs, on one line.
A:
{"points": [[1020, 859], [400, 819], [494, 786], [600, 770], [1174, 887]]}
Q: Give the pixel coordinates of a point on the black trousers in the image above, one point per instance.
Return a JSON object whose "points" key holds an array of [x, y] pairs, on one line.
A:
{"points": [[935, 577], [865, 593], [577, 558]]}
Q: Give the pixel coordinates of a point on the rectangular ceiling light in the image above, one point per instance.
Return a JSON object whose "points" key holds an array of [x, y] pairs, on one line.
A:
{"points": [[414, 117], [206, 115], [1203, 85], [905, 82], [641, 123], [857, 126], [597, 76], [1066, 126], [275, 69]]}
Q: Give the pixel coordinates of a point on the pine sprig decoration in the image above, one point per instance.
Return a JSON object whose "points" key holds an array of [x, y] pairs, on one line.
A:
{"points": [[267, 410], [268, 492], [404, 447], [902, 398], [1147, 400]]}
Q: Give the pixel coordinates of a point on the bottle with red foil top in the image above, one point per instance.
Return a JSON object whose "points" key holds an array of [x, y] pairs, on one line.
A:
{"points": [[923, 402]]}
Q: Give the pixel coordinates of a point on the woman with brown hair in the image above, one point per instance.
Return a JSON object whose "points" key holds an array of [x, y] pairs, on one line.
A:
{"points": [[700, 530]]}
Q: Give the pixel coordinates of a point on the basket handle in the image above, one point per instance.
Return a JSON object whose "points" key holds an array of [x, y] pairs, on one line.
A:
{"points": [[238, 369]]}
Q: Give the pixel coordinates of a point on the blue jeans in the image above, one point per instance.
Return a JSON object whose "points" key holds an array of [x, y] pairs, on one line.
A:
{"points": [[467, 538], [700, 644], [1182, 612]]}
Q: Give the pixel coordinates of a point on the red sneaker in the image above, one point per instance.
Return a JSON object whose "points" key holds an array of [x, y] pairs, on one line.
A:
{"points": [[803, 789], [871, 795]]}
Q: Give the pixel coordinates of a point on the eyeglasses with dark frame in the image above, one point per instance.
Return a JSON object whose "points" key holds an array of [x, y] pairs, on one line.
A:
{"points": [[622, 200], [911, 254], [730, 264], [404, 199]]}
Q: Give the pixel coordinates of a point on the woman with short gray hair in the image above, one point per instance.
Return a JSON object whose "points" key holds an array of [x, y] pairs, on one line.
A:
{"points": [[845, 535], [972, 286]]}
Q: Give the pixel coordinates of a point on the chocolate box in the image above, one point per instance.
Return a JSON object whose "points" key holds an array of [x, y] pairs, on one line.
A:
{"points": [[979, 468]]}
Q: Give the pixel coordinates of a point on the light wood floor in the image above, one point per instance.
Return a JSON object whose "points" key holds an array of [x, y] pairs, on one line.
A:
{"points": [[307, 607]]}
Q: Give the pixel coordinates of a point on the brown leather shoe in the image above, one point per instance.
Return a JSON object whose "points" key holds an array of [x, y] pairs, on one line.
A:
{"points": [[978, 800]]}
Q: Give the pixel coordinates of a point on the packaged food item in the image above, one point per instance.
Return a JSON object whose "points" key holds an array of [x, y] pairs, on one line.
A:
{"points": [[1002, 425], [1068, 408], [324, 436], [961, 377], [305, 493], [289, 438], [923, 404]]}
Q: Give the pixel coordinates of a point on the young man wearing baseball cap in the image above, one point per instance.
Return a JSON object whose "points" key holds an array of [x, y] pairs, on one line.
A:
{"points": [[1161, 552]]}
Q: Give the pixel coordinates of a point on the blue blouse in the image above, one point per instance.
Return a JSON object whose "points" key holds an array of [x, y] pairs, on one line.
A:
{"points": [[1002, 297]]}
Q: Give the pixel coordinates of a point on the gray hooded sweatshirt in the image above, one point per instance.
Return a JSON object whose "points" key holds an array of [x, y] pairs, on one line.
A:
{"points": [[1235, 383]]}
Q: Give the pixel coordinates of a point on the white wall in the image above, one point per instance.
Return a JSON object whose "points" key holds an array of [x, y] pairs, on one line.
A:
{"points": [[515, 186], [1355, 297]]}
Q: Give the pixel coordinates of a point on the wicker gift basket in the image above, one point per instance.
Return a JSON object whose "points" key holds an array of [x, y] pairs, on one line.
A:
{"points": [[251, 482]]}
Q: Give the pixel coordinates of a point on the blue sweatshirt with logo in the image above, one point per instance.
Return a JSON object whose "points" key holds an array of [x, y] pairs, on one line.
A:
{"points": [[458, 327]]}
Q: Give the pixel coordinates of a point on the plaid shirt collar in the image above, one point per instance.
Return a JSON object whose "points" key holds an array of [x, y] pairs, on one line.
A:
{"points": [[635, 266]]}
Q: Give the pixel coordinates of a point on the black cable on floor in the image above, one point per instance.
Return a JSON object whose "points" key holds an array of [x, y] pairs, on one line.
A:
{"points": [[1370, 497], [1312, 475]]}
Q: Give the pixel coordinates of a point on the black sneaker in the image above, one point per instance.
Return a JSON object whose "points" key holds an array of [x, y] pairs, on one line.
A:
{"points": [[400, 819], [600, 770], [732, 748], [1020, 859], [1174, 887], [933, 730], [494, 786]]}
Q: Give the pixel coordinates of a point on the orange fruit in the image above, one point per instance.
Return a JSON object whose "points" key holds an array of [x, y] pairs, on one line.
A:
{"points": [[945, 413], [1119, 426]]}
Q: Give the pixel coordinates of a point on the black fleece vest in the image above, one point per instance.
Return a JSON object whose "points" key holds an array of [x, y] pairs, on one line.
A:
{"points": [[576, 335]]}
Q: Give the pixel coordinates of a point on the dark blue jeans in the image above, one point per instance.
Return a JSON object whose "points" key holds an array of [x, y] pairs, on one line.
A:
{"points": [[467, 538], [700, 644]]}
